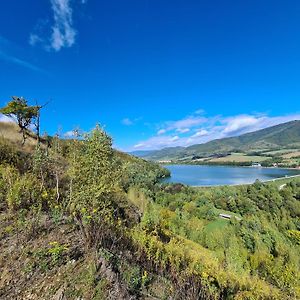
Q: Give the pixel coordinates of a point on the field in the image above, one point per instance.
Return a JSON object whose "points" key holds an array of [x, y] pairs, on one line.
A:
{"points": [[291, 155], [216, 225], [240, 157], [280, 152]]}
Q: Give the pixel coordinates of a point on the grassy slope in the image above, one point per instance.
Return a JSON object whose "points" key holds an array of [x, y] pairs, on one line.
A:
{"points": [[10, 131], [43, 256], [31, 271]]}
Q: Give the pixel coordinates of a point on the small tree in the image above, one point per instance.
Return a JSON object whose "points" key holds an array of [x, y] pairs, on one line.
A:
{"points": [[21, 113], [95, 186]]}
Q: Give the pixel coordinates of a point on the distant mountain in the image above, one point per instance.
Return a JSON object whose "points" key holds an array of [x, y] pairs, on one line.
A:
{"points": [[279, 136], [141, 153]]}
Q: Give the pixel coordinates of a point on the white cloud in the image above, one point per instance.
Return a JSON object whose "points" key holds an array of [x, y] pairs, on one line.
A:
{"points": [[5, 119], [174, 138], [247, 123], [69, 134], [238, 123], [183, 130], [188, 122], [184, 125], [202, 132], [199, 111], [214, 127], [157, 142], [62, 34], [161, 131], [138, 145], [127, 122], [34, 39]]}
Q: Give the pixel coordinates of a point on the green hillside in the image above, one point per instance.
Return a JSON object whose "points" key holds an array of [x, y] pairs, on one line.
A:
{"points": [[284, 135], [79, 220]]}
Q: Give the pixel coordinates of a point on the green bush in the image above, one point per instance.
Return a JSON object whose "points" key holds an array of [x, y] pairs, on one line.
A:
{"points": [[133, 278], [18, 191]]}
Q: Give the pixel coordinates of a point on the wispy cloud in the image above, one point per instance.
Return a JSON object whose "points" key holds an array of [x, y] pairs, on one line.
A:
{"points": [[129, 122], [183, 125], [20, 62], [183, 130], [199, 133], [34, 39], [161, 131], [204, 129], [62, 34], [7, 47], [158, 142]]}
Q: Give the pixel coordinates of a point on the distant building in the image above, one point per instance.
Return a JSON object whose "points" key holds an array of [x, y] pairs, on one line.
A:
{"points": [[256, 165], [224, 216]]}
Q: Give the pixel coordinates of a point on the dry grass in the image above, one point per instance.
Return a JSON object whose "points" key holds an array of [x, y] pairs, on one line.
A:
{"points": [[11, 132], [291, 155]]}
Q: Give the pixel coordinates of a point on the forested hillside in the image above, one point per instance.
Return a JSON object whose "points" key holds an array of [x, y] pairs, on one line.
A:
{"points": [[79, 220], [286, 135]]}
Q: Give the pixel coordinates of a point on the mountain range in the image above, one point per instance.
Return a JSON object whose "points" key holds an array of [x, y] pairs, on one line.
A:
{"points": [[282, 136]]}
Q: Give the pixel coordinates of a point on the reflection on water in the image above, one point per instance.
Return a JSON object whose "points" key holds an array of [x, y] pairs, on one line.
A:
{"points": [[220, 175]]}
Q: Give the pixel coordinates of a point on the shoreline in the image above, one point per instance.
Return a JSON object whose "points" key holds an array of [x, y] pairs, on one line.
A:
{"points": [[241, 184], [285, 177], [224, 165], [232, 166]]}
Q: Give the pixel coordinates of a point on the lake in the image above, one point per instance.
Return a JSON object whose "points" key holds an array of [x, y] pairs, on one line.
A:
{"points": [[197, 175]]}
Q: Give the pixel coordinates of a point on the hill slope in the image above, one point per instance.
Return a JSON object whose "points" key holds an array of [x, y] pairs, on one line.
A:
{"points": [[279, 136], [82, 221]]}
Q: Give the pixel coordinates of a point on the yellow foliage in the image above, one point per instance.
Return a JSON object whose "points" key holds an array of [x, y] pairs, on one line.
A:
{"points": [[295, 235], [190, 259]]}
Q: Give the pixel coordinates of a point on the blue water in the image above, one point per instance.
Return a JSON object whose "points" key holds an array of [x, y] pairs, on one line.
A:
{"points": [[196, 175]]}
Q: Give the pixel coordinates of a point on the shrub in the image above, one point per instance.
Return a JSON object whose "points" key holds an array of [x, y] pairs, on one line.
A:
{"points": [[18, 191], [133, 278], [24, 192], [95, 193]]}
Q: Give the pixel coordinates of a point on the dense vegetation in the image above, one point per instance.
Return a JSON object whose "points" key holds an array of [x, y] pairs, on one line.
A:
{"points": [[82, 221], [257, 249]]}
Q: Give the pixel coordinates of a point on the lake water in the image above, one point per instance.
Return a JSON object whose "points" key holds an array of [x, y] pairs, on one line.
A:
{"points": [[197, 175]]}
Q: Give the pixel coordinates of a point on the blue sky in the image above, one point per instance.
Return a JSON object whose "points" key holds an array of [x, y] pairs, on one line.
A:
{"points": [[155, 73]]}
